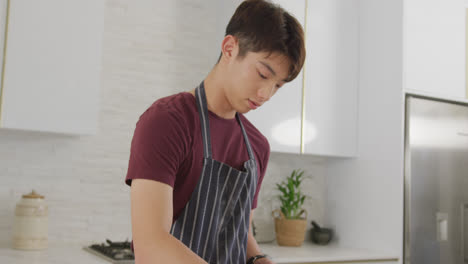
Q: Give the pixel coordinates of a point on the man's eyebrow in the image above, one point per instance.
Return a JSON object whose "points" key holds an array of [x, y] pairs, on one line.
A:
{"points": [[270, 69]]}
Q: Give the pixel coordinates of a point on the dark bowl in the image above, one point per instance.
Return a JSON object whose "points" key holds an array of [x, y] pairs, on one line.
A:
{"points": [[322, 236]]}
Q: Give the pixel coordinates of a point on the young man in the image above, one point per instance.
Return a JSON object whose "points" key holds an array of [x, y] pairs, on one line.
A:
{"points": [[196, 163]]}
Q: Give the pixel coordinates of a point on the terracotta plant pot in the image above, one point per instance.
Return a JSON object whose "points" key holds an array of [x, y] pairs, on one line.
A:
{"points": [[289, 232]]}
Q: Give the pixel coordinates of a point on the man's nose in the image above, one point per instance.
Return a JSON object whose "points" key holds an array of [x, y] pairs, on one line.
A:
{"points": [[265, 92]]}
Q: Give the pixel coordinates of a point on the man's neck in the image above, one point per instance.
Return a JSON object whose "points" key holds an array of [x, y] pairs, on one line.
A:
{"points": [[216, 98]]}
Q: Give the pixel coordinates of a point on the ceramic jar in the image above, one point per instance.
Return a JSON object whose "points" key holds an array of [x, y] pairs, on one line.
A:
{"points": [[30, 227]]}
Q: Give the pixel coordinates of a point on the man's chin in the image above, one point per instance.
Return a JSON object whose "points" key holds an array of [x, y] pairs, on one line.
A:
{"points": [[244, 110]]}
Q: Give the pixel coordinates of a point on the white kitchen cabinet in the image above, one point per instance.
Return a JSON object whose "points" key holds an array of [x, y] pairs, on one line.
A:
{"points": [[52, 66], [322, 108], [331, 78], [351, 262], [371, 262], [434, 43], [280, 118]]}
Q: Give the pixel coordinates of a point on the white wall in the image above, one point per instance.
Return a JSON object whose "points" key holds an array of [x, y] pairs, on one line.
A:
{"points": [[434, 43], [365, 195], [151, 49]]}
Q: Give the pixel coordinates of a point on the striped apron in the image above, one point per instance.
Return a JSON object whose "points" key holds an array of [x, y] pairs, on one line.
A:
{"points": [[215, 222]]}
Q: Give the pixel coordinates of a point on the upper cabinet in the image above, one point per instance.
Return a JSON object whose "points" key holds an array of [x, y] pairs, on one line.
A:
{"points": [[280, 118], [52, 64], [434, 47], [331, 78], [317, 112]]}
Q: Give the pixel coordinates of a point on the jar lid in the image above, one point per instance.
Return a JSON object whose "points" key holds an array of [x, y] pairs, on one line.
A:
{"points": [[33, 195]]}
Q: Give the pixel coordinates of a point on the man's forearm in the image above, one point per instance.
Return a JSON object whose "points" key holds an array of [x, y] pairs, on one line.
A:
{"points": [[252, 246], [167, 250], [253, 249]]}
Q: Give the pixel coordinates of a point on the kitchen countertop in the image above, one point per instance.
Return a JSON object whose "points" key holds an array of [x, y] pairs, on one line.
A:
{"points": [[312, 253], [55, 254], [308, 253]]}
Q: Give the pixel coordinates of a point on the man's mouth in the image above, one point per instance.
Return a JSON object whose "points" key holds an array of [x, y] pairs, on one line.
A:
{"points": [[253, 105]]}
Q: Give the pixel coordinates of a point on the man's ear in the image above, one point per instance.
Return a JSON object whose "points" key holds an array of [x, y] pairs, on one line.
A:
{"points": [[230, 47]]}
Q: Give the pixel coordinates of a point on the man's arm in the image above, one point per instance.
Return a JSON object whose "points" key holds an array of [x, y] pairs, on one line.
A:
{"points": [[151, 209], [252, 247]]}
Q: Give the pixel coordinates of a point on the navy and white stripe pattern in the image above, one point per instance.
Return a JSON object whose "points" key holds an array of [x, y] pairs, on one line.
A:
{"points": [[215, 222]]}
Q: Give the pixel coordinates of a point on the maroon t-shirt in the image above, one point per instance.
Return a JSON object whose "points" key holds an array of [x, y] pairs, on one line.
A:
{"points": [[167, 146]]}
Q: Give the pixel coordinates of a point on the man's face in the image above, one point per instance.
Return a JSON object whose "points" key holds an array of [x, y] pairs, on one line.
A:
{"points": [[255, 78]]}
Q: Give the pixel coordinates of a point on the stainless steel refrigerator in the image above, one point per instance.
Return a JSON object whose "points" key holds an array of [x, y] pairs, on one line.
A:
{"points": [[436, 182]]}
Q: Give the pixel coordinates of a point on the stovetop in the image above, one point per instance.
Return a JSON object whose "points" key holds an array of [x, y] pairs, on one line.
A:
{"points": [[115, 252]]}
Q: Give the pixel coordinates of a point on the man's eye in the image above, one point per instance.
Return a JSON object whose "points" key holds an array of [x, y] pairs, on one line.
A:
{"points": [[261, 75]]}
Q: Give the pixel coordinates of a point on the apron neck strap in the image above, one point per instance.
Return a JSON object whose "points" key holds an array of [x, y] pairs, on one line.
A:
{"points": [[246, 138], [202, 106]]}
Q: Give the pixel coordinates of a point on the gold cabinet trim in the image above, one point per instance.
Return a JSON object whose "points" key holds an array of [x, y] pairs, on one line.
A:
{"points": [[303, 112], [5, 40], [466, 53]]}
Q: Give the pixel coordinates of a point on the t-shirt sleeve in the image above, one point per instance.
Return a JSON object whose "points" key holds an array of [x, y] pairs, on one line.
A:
{"points": [[158, 147], [262, 169]]}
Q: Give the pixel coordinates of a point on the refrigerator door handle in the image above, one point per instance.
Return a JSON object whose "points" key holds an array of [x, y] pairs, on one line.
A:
{"points": [[442, 226], [463, 207]]}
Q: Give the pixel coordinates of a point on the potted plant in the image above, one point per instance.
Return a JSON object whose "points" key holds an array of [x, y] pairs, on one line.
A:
{"points": [[290, 224]]}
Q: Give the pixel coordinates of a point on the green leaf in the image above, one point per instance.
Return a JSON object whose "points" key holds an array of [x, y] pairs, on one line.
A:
{"points": [[296, 204], [284, 211], [300, 174], [291, 196]]}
